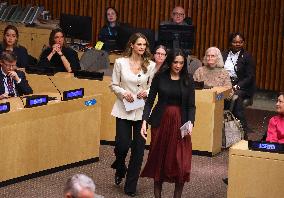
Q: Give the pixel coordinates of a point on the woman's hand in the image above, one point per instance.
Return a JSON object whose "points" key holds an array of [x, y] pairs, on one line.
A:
{"points": [[144, 130], [128, 97], [142, 94]]}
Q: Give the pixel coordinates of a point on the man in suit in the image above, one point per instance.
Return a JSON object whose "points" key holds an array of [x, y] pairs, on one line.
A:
{"points": [[13, 82], [241, 67]]}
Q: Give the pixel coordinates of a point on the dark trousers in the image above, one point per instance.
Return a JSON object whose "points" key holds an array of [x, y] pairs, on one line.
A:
{"points": [[238, 108], [126, 130]]}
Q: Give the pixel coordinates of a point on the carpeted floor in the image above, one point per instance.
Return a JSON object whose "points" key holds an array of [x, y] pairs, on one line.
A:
{"points": [[206, 177]]}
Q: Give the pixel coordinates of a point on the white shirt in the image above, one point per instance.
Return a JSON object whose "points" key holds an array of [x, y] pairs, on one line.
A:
{"points": [[231, 63], [123, 80]]}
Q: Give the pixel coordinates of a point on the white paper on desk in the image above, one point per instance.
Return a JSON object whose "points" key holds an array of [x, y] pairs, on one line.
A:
{"points": [[184, 129], [136, 104]]}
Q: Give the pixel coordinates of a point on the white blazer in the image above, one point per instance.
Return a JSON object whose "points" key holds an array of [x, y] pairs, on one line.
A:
{"points": [[123, 80]]}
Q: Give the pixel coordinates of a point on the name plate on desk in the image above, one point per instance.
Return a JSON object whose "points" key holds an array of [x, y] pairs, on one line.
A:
{"points": [[73, 94], [266, 146], [36, 100], [4, 107]]}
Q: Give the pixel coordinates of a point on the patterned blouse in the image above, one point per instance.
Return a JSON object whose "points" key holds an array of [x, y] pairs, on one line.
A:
{"points": [[216, 77]]}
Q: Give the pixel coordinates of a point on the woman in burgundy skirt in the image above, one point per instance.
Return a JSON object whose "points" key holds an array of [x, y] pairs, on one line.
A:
{"points": [[169, 159]]}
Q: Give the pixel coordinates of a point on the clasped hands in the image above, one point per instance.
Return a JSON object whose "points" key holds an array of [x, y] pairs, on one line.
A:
{"points": [[128, 96], [56, 48]]}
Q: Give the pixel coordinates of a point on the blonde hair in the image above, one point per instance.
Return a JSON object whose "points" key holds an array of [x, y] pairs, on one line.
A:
{"points": [[219, 62]]}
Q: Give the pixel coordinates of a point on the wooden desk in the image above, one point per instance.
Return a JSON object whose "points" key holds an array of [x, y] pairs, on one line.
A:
{"points": [[207, 131], [40, 138], [254, 174], [65, 81]]}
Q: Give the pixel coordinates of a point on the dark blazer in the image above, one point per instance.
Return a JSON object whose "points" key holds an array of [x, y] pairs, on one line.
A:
{"points": [[56, 62], [159, 83], [245, 70], [21, 53], [22, 88]]}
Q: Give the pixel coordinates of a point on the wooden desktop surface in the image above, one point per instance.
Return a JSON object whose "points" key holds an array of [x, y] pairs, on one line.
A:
{"points": [[254, 174], [40, 138]]}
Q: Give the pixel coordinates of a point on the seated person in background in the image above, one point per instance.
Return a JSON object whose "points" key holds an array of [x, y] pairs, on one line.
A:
{"points": [[109, 33], [213, 73], [13, 82], [160, 55], [178, 16], [241, 67], [79, 186], [10, 42], [58, 55], [275, 131]]}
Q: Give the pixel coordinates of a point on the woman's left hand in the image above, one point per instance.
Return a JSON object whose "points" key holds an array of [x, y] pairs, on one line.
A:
{"points": [[142, 94]]}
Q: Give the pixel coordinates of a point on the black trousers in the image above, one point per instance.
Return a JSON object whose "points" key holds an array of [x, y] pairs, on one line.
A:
{"points": [[238, 110], [128, 135]]}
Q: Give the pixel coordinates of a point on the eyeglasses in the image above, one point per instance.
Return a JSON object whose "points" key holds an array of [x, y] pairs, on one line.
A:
{"points": [[178, 14], [160, 54]]}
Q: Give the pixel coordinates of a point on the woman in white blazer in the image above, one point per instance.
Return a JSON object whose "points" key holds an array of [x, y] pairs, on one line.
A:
{"points": [[131, 79]]}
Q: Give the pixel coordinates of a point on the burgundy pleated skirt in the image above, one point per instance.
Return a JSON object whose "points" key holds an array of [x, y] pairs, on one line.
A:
{"points": [[169, 158]]}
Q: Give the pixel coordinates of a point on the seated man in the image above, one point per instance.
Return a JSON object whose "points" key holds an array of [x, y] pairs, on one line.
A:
{"points": [[178, 16], [13, 82], [80, 186]]}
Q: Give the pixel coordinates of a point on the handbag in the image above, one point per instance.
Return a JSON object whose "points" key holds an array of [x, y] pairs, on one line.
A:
{"points": [[232, 130]]}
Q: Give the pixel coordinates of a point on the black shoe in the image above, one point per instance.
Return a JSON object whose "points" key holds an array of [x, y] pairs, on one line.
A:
{"points": [[131, 194], [225, 180], [117, 179]]}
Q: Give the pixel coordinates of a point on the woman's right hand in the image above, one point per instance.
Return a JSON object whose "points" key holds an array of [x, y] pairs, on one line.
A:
{"points": [[128, 97], [144, 130]]}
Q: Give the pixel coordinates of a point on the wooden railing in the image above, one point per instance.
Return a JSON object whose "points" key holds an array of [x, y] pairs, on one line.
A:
{"points": [[261, 22]]}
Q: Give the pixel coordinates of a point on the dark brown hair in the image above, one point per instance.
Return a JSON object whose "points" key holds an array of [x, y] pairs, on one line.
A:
{"points": [[52, 35], [8, 55], [10, 27]]}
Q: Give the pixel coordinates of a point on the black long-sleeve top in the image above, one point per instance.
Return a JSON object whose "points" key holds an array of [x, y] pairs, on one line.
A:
{"points": [[56, 62], [169, 92]]}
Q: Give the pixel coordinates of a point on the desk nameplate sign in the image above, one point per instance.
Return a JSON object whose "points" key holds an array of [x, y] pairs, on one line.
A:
{"points": [[36, 100], [4, 107], [73, 94], [266, 146]]}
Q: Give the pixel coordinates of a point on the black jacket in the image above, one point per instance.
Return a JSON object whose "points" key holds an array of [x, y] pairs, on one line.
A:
{"points": [[22, 88], [159, 83], [245, 70]]}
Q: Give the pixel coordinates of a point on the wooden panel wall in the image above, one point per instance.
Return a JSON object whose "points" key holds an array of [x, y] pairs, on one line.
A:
{"points": [[261, 22]]}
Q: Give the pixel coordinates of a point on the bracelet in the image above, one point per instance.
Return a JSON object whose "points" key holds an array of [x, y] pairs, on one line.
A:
{"points": [[61, 55]]}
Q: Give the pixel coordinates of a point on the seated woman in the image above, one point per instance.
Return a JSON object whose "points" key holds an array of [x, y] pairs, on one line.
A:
{"points": [[275, 132], [160, 55], [10, 42], [109, 32], [213, 73], [58, 55]]}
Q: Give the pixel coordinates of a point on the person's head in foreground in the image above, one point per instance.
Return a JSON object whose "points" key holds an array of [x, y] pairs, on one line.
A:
{"points": [[79, 186]]}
